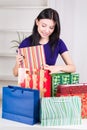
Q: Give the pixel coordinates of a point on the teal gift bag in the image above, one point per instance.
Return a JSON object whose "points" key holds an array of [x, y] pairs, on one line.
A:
{"points": [[20, 104], [56, 111]]}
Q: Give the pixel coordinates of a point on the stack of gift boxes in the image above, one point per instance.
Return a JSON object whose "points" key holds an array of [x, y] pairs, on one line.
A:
{"points": [[62, 97], [63, 110], [63, 78], [55, 110], [66, 86]]}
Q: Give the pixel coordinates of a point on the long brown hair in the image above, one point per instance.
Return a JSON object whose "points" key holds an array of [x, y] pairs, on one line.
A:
{"points": [[47, 13]]}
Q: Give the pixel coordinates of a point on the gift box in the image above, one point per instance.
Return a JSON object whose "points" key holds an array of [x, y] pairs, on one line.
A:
{"points": [[59, 78], [74, 78], [31, 73], [72, 88], [63, 78], [60, 111], [33, 57], [40, 80], [75, 90]]}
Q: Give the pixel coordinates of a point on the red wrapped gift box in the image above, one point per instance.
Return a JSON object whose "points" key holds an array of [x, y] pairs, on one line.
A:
{"points": [[75, 90], [72, 88], [31, 72], [40, 80]]}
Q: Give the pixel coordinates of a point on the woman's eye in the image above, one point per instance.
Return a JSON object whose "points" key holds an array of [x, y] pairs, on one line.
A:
{"points": [[43, 25], [51, 27]]}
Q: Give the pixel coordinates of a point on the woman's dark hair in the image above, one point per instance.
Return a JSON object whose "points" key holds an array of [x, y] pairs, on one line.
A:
{"points": [[47, 13]]}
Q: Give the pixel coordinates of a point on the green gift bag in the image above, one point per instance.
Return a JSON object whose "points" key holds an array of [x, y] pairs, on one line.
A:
{"points": [[60, 111], [63, 78], [59, 78], [74, 78]]}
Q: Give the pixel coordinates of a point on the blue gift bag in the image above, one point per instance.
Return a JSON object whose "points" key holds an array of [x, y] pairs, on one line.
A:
{"points": [[20, 104]]}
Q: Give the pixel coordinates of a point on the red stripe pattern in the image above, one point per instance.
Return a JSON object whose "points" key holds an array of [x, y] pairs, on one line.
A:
{"points": [[31, 73]]}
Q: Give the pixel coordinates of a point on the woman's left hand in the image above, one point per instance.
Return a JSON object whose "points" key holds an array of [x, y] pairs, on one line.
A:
{"points": [[52, 68]]}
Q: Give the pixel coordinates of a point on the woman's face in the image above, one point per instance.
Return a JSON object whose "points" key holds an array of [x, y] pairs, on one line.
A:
{"points": [[45, 27]]}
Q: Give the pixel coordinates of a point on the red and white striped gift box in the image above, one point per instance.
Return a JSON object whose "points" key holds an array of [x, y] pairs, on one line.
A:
{"points": [[34, 57]]}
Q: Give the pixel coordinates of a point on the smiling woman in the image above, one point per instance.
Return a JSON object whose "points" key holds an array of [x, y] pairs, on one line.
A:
{"points": [[46, 31]]}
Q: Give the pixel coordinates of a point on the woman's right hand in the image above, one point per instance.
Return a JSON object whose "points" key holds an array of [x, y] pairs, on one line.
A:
{"points": [[19, 60]]}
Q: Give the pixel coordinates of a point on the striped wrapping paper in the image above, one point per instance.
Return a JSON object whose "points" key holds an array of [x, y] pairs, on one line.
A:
{"points": [[60, 111], [34, 57], [83, 97], [31, 73]]}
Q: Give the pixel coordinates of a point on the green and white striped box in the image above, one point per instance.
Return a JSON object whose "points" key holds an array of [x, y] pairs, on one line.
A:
{"points": [[56, 111]]}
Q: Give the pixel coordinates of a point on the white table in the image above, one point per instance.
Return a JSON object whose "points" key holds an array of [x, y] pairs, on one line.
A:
{"points": [[12, 125]]}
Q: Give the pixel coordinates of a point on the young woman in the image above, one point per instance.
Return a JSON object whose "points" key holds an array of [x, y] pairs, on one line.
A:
{"points": [[46, 32]]}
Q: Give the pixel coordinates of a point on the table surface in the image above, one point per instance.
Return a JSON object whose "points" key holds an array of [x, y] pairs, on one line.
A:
{"points": [[13, 125], [8, 124]]}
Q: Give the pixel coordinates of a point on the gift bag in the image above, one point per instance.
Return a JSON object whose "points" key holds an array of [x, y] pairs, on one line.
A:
{"points": [[33, 57], [31, 73], [20, 104], [75, 90], [60, 111], [40, 80], [63, 78], [74, 78]]}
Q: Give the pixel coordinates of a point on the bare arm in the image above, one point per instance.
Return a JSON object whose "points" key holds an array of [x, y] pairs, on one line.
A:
{"points": [[68, 67]]}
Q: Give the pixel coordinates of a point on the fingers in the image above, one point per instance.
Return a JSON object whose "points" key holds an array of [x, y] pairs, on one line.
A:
{"points": [[46, 66], [19, 59]]}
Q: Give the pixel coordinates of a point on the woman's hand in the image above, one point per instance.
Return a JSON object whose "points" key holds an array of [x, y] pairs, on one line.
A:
{"points": [[60, 68], [19, 60], [52, 68]]}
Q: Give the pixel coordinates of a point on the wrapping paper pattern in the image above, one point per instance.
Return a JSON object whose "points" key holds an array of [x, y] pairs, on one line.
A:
{"points": [[31, 73], [63, 78], [34, 57], [72, 88], [74, 78], [75, 90], [40, 80], [60, 111], [59, 78]]}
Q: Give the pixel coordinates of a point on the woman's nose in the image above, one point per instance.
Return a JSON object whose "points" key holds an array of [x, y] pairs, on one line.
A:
{"points": [[47, 30]]}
